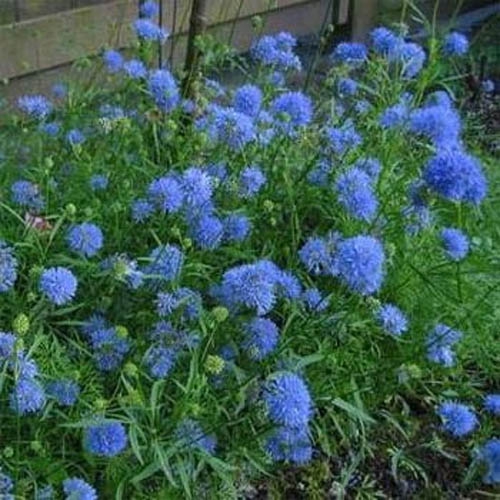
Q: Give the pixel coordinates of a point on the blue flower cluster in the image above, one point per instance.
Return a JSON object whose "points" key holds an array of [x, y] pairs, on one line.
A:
{"points": [[8, 267], [191, 436], [440, 342], [105, 438], [458, 419], [277, 51]]}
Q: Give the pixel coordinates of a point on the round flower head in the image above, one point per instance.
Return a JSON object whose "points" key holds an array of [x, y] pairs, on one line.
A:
{"points": [[7, 344], [455, 44], [458, 419], [75, 137], [370, 166], [85, 239], [99, 182], [456, 176], [392, 319], [439, 344], [165, 263], [490, 454], [166, 193], [27, 396], [149, 9], [142, 210], [261, 338], [113, 61], [440, 123], [384, 40], [207, 231], [492, 404], [248, 100], [6, 486], [135, 69], [291, 111], [315, 255], [50, 128], [288, 401], [488, 86], [290, 445], [191, 436], [236, 227], [456, 244], [410, 57], [313, 300], [36, 106], [252, 179], [360, 263], [347, 87], [105, 438], [109, 348], [26, 194], [65, 392], [77, 489], [8, 267], [197, 187], [394, 116], [160, 360], [149, 31], [277, 51], [231, 127], [59, 285], [164, 90], [350, 53], [355, 193], [343, 139]]}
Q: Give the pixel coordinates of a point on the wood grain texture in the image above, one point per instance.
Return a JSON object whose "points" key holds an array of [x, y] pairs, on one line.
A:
{"points": [[49, 41]]}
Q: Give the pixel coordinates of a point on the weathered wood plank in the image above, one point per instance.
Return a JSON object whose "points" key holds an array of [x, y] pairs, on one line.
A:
{"points": [[49, 41], [364, 17], [7, 12]]}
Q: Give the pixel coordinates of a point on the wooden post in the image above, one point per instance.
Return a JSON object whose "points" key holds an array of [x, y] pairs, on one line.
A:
{"points": [[363, 18], [198, 23]]}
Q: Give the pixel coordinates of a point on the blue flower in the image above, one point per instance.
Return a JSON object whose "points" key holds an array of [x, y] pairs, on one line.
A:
{"points": [[124, 269], [291, 110], [26, 194], [455, 44], [164, 90], [77, 489], [277, 51], [166, 193], [192, 437], [347, 87], [85, 239], [7, 344], [197, 187], [487, 86], [65, 392], [94, 323], [261, 337], [288, 401], [75, 137], [314, 301], [50, 128], [343, 139], [384, 40], [165, 264], [98, 182], [231, 127], [392, 319], [149, 31], [439, 344], [360, 263], [45, 493], [113, 61], [440, 123], [149, 9], [207, 231], [394, 116], [370, 166], [8, 267], [252, 179], [355, 193], [135, 69], [492, 404], [109, 348], [59, 90], [490, 453], [456, 176], [27, 396], [142, 210], [290, 445], [351, 53], [105, 438], [111, 112], [362, 106], [189, 300], [36, 106], [160, 360], [251, 285], [236, 227], [59, 285], [315, 255], [410, 56], [455, 243], [458, 419], [248, 100], [6, 486]]}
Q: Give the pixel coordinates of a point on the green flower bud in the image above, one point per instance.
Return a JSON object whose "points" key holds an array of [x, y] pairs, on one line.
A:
{"points": [[49, 162], [88, 212], [100, 404], [220, 314], [268, 205], [214, 364], [36, 446], [121, 331], [70, 209], [131, 369], [8, 452], [21, 324], [187, 243]]}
